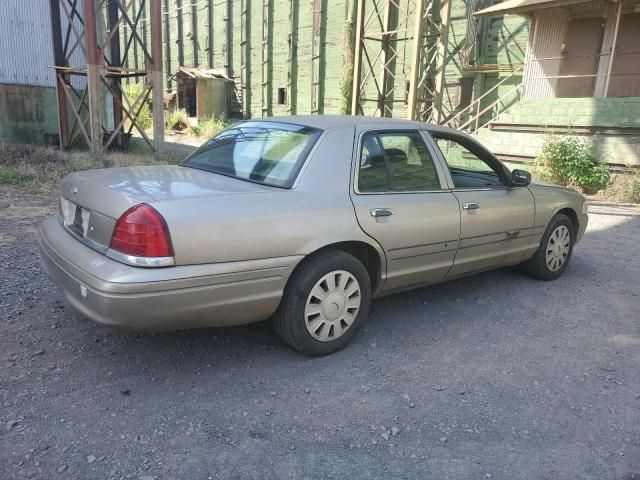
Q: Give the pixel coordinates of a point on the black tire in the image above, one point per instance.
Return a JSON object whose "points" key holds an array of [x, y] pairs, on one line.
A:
{"points": [[289, 320], [537, 266]]}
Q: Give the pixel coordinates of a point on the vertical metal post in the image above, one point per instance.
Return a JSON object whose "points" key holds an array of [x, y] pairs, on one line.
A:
{"points": [[357, 60], [228, 38], [266, 58], [135, 45], [93, 74], [115, 61], [210, 33], [443, 46], [245, 55], [167, 40], [180, 33], [156, 78], [613, 49], [414, 74], [384, 59], [59, 60], [317, 56], [194, 34], [292, 61]]}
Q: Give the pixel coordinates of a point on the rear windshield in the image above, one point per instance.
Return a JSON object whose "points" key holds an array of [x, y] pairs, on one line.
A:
{"points": [[270, 153]]}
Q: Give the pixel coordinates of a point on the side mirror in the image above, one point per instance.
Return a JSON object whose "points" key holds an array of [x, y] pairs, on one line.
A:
{"points": [[520, 178]]}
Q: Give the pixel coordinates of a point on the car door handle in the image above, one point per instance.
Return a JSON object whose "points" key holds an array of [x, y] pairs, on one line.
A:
{"points": [[381, 212], [512, 233], [471, 206]]}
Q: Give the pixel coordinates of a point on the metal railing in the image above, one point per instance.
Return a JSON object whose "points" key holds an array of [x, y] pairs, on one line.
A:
{"points": [[475, 110]]}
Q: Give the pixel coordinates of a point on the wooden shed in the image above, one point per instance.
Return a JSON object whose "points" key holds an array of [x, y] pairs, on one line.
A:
{"points": [[203, 92]]}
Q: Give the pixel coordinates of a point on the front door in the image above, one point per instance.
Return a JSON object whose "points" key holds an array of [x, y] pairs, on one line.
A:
{"points": [[580, 56], [400, 201], [496, 220]]}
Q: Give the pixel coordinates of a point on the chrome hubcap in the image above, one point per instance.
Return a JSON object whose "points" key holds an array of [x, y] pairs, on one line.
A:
{"points": [[558, 248], [332, 306]]}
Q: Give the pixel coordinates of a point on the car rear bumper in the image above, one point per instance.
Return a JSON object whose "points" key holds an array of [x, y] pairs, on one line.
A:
{"points": [[168, 298]]}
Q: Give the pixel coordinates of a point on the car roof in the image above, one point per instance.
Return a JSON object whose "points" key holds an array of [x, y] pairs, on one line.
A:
{"points": [[325, 122]]}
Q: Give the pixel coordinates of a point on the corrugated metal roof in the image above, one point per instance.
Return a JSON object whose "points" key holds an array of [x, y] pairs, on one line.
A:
{"points": [[25, 37], [525, 6], [194, 72]]}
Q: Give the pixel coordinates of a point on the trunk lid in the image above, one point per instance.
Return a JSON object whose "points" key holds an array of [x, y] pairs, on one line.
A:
{"points": [[111, 191], [92, 201]]}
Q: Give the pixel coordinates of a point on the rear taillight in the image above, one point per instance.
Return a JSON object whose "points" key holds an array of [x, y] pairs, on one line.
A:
{"points": [[141, 232]]}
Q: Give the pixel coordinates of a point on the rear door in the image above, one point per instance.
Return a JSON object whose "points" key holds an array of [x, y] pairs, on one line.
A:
{"points": [[496, 219], [402, 200]]}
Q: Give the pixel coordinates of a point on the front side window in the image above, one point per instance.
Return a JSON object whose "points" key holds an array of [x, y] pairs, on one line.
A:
{"points": [[396, 161], [468, 169], [270, 153]]}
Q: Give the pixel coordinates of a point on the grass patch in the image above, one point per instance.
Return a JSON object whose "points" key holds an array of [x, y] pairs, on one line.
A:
{"points": [[13, 177], [207, 127], [624, 188], [39, 169]]}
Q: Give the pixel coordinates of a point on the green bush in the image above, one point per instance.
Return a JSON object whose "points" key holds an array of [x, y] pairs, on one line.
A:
{"points": [[567, 160], [132, 92]]}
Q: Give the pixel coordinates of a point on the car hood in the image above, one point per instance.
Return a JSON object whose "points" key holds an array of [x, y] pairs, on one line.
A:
{"points": [[112, 191]]}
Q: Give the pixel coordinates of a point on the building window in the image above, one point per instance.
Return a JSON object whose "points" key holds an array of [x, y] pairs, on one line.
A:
{"points": [[282, 96]]}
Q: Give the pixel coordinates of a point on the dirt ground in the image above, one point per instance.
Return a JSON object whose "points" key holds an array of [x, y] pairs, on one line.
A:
{"points": [[494, 376]]}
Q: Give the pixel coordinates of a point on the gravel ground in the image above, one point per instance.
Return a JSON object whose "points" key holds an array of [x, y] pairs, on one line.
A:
{"points": [[494, 376]]}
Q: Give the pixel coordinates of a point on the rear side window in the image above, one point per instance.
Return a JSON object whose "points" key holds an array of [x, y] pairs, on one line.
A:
{"points": [[396, 161], [270, 153]]}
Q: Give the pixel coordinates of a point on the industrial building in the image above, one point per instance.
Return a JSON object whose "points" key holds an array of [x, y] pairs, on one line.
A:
{"points": [[505, 71]]}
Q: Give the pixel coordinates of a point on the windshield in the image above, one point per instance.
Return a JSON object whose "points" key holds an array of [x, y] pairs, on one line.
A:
{"points": [[264, 152]]}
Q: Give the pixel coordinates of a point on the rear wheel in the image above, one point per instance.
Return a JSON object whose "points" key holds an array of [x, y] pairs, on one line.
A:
{"points": [[554, 253], [324, 303]]}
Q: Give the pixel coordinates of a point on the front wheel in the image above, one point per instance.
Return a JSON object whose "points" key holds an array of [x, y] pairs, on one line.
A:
{"points": [[553, 256], [324, 303]]}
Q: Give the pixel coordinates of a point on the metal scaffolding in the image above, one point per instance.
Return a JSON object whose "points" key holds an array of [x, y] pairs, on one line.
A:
{"points": [[379, 41], [86, 82]]}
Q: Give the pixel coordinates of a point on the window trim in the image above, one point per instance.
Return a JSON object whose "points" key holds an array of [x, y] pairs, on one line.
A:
{"points": [[481, 152], [376, 132]]}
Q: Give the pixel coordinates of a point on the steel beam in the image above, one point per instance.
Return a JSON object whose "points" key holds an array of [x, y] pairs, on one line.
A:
{"points": [[156, 76], [94, 72], [59, 61], [228, 38], [416, 47], [292, 61], [317, 56], [194, 34], [115, 61], [385, 58], [167, 41], [357, 58], [443, 50], [245, 55], [210, 33]]}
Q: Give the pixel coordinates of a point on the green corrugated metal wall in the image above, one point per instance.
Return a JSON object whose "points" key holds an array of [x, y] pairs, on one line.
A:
{"points": [[196, 36]]}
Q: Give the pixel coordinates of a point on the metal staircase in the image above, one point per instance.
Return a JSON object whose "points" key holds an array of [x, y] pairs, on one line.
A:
{"points": [[479, 114]]}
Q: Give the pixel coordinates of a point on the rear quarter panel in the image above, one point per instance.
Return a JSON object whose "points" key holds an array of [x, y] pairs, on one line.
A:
{"points": [[316, 212]]}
